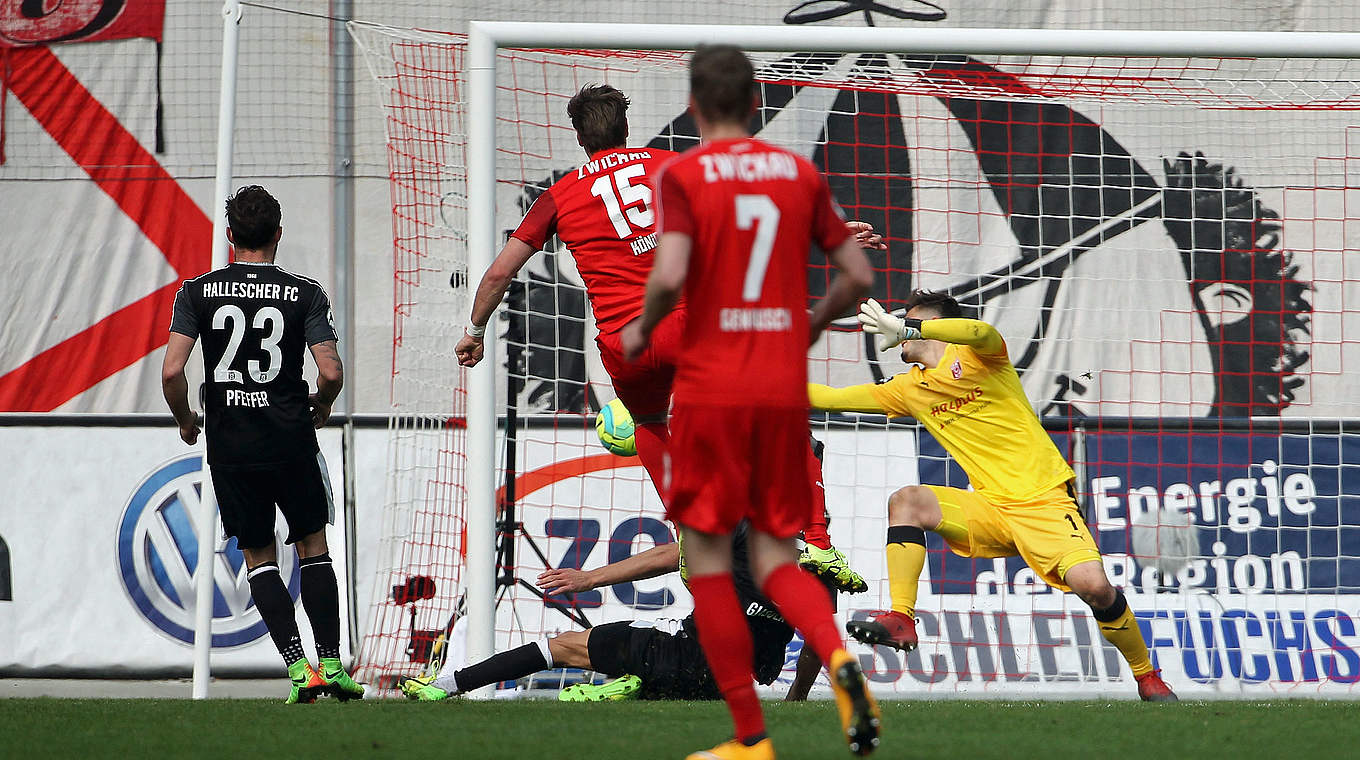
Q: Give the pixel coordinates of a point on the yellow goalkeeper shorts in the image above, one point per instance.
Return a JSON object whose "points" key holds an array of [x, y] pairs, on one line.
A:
{"points": [[1047, 531]]}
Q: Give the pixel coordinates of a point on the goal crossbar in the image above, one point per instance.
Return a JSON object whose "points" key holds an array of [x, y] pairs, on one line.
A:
{"points": [[1093, 42], [486, 38]]}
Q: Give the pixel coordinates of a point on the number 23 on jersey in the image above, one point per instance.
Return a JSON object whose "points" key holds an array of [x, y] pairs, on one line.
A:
{"points": [[232, 317]]}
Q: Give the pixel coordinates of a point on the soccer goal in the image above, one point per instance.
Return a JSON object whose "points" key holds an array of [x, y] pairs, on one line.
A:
{"points": [[1163, 225]]}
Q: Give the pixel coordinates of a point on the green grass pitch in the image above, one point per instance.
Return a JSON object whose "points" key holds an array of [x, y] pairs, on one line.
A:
{"points": [[134, 729]]}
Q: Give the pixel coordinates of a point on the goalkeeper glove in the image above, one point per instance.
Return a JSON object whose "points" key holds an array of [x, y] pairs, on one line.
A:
{"points": [[891, 331]]}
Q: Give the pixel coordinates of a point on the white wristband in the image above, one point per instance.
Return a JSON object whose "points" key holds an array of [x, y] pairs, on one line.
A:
{"points": [[477, 331]]}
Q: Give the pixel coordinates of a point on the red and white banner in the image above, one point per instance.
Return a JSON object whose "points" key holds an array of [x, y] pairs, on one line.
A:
{"points": [[42, 22]]}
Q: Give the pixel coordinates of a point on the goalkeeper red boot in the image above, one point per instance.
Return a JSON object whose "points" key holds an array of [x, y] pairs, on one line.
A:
{"points": [[1151, 688], [889, 629]]}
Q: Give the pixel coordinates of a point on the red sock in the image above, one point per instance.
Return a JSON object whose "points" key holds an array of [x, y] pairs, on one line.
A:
{"points": [[727, 645], [815, 533], [652, 440], [804, 603]]}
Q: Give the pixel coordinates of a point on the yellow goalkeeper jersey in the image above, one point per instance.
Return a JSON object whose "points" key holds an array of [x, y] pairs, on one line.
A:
{"points": [[974, 405]]}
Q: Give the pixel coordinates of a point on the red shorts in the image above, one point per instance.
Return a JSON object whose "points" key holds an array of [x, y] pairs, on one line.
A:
{"points": [[644, 386], [730, 462]]}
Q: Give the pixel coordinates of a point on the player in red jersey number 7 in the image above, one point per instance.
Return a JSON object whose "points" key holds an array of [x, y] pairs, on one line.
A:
{"points": [[737, 218]]}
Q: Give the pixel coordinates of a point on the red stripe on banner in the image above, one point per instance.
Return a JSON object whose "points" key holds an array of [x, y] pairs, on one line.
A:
{"points": [[4, 98], [113, 158], [131, 176], [76, 364]]}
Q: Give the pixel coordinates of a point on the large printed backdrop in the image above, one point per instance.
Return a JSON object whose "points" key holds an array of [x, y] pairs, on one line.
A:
{"points": [[92, 259]]}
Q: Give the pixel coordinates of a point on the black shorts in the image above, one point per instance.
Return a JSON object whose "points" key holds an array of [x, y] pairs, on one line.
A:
{"points": [[246, 497], [668, 659]]}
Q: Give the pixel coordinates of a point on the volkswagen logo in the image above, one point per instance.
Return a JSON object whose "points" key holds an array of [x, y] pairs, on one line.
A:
{"points": [[158, 555]]}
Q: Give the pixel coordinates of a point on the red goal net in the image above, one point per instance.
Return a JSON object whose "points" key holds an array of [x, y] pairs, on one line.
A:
{"points": [[1167, 246]]}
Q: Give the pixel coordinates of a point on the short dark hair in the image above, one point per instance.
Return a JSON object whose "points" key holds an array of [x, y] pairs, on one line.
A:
{"points": [[253, 216], [599, 114], [723, 83], [942, 304]]}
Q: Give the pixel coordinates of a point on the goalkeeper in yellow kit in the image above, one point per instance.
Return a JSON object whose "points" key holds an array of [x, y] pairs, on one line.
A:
{"points": [[965, 391]]}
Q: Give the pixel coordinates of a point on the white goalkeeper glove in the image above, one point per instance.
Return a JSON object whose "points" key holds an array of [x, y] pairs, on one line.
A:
{"points": [[891, 331]]}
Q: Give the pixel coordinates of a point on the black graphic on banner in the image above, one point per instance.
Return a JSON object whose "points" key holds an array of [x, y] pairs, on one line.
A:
{"points": [[863, 152], [6, 573], [1066, 187]]}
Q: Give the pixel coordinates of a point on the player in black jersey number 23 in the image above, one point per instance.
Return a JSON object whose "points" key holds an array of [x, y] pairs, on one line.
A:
{"points": [[256, 321]]}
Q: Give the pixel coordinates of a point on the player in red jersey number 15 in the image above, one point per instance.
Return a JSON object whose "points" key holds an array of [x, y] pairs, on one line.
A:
{"points": [[737, 218], [604, 213]]}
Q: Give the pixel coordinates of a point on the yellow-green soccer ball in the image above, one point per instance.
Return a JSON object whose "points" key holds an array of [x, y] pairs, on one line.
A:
{"points": [[614, 425]]}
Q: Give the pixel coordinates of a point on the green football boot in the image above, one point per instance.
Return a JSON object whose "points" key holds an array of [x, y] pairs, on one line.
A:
{"points": [[421, 688], [307, 683], [831, 565], [336, 680], [617, 690]]}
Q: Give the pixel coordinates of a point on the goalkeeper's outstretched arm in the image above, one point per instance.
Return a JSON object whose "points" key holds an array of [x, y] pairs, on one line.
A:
{"points": [[855, 398], [981, 336], [893, 330]]}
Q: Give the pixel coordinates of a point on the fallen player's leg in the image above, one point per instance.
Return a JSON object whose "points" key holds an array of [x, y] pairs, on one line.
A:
{"points": [[564, 650]]}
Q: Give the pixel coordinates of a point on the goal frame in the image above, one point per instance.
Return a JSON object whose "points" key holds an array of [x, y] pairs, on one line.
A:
{"points": [[486, 38]]}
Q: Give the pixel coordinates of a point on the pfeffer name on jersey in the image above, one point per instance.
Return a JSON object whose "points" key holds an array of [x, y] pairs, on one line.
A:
{"points": [[254, 399], [230, 289]]}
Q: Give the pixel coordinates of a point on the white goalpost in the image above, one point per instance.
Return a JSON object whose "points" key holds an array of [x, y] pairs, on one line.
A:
{"points": [[207, 517], [1120, 392]]}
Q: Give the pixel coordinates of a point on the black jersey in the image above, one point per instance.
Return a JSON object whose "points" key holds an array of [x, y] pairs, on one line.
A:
{"points": [[770, 633], [256, 321]]}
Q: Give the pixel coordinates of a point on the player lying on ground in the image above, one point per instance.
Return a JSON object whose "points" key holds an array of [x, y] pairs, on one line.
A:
{"points": [[660, 660], [964, 390], [256, 321], [738, 219], [605, 216]]}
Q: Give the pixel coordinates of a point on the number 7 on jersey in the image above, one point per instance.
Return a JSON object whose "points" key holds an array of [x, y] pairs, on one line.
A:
{"points": [[760, 212]]}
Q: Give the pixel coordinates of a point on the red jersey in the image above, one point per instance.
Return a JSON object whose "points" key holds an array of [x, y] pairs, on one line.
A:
{"points": [[604, 214], [753, 212]]}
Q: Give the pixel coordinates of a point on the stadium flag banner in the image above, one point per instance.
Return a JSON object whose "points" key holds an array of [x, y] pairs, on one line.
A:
{"points": [[102, 552], [24, 23]]}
